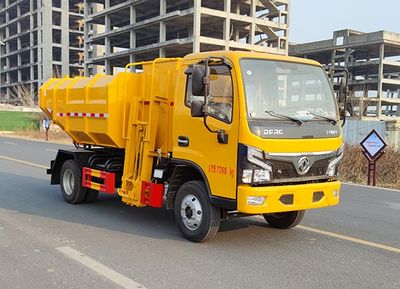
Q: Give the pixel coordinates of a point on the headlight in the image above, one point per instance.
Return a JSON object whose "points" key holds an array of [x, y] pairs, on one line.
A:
{"points": [[256, 176], [334, 163], [247, 176], [261, 176], [261, 173]]}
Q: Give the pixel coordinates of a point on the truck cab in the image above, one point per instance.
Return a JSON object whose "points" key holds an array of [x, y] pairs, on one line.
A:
{"points": [[264, 132]]}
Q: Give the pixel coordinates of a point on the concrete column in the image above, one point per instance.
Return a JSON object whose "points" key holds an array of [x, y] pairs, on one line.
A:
{"points": [[196, 25], [86, 43], [132, 33], [31, 43], [45, 41], [380, 79], [163, 30], [107, 63], [253, 23], [287, 31], [107, 67], [7, 32], [227, 23], [18, 11], [19, 60], [18, 27], [7, 61], [236, 30], [65, 40]]}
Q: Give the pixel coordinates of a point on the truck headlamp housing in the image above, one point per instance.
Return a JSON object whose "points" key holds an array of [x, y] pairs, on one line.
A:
{"points": [[262, 171], [261, 176], [247, 176], [333, 169], [256, 157], [256, 176]]}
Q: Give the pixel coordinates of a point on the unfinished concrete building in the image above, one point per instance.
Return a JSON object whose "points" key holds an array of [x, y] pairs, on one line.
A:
{"points": [[373, 60], [121, 31], [40, 39]]}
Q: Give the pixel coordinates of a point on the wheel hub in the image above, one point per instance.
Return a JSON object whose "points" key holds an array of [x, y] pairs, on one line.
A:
{"points": [[68, 182], [191, 212]]}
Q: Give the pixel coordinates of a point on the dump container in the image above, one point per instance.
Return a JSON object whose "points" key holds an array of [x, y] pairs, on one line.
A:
{"points": [[91, 110]]}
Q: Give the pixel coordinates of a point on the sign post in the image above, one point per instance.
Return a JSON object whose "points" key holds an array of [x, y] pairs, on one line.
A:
{"points": [[373, 146]]}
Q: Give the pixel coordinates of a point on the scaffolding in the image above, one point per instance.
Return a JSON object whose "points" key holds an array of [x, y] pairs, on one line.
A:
{"points": [[119, 32]]}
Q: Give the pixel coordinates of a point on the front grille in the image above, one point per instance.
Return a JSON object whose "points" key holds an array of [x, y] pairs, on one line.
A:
{"points": [[286, 170], [286, 167]]}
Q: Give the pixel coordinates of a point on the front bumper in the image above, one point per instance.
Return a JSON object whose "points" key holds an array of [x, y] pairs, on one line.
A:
{"points": [[289, 198]]}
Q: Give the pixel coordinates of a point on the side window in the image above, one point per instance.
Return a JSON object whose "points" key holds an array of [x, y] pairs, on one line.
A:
{"points": [[220, 100]]}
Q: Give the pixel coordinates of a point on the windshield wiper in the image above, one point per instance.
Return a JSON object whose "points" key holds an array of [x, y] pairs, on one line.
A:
{"points": [[333, 121], [296, 120]]}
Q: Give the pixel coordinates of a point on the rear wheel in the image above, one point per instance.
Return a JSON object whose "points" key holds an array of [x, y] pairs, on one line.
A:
{"points": [[70, 182], [285, 220], [197, 219]]}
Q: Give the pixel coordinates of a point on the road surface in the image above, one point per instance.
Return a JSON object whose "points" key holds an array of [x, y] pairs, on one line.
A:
{"points": [[47, 243]]}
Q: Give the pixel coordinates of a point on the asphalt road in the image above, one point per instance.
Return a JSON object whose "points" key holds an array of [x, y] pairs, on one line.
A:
{"points": [[47, 243]]}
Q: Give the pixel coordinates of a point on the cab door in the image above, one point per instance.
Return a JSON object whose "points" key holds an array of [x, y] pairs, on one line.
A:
{"points": [[193, 142]]}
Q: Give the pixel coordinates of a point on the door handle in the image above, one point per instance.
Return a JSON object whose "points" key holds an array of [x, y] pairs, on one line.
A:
{"points": [[183, 141]]}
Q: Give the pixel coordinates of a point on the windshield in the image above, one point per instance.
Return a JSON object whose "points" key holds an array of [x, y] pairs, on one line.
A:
{"points": [[274, 89]]}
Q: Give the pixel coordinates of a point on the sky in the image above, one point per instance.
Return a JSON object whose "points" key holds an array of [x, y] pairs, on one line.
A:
{"points": [[313, 20]]}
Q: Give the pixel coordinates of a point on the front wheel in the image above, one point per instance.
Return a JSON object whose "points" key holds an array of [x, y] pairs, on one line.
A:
{"points": [[285, 220], [197, 219]]}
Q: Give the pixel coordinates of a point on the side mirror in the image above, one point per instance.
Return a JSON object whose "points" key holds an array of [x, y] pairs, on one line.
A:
{"points": [[342, 111], [343, 91], [200, 79], [196, 109]]}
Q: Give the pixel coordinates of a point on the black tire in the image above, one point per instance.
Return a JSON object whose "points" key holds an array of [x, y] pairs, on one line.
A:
{"points": [[91, 196], [285, 220], [70, 183], [197, 219]]}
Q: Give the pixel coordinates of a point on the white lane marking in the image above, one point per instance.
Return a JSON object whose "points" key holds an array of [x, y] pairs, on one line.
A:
{"points": [[394, 206], [351, 239], [99, 268], [10, 143], [370, 187], [23, 162], [50, 150]]}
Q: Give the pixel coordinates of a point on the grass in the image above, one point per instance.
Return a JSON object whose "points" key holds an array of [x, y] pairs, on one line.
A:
{"points": [[19, 120], [354, 167]]}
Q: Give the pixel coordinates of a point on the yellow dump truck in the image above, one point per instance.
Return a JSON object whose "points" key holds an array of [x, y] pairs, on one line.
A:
{"points": [[211, 136]]}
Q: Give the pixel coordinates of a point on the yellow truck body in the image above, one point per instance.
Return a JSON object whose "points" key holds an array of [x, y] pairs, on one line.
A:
{"points": [[145, 116]]}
